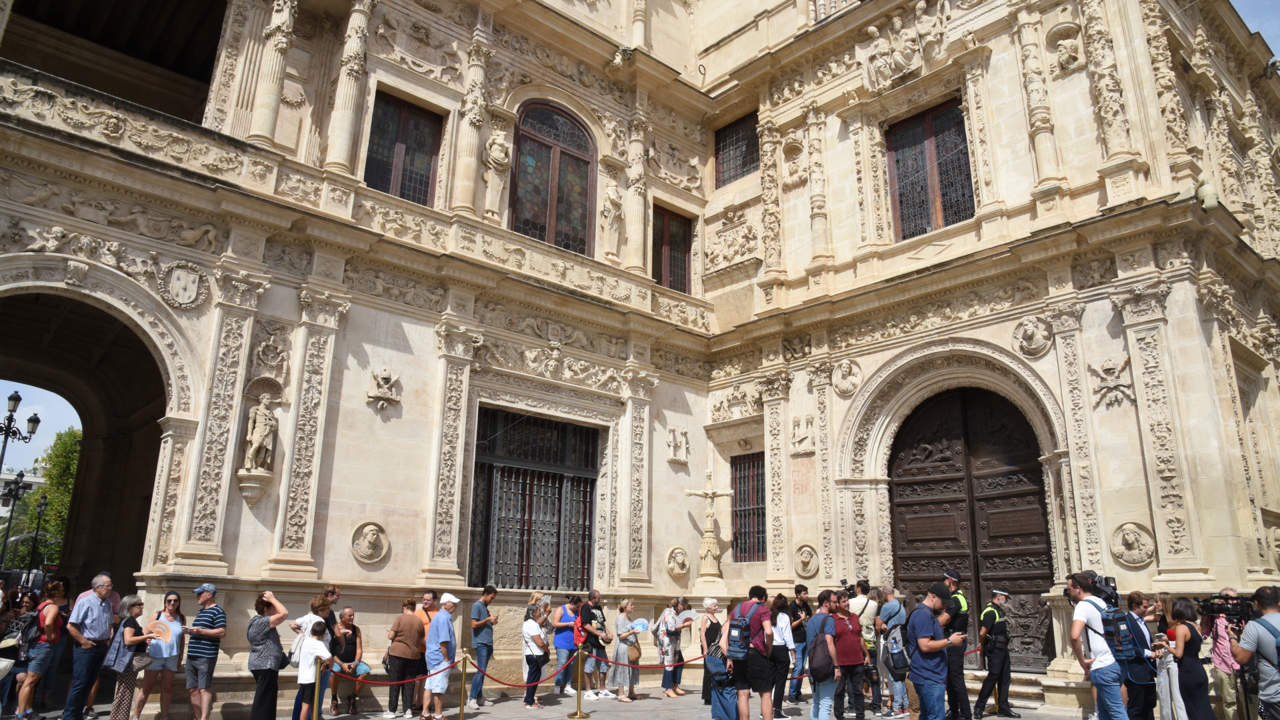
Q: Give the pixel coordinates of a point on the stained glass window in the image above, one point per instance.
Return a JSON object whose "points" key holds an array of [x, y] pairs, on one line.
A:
{"points": [[737, 150], [403, 142], [747, 475], [671, 244], [532, 506], [553, 193], [932, 186]]}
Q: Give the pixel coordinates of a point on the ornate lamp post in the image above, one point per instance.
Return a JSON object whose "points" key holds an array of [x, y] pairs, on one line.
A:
{"points": [[35, 538], [15, 488]]}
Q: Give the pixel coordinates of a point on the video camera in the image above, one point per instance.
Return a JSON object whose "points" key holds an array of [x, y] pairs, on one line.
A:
{"points": [[1104, 588], [1237, 610]]}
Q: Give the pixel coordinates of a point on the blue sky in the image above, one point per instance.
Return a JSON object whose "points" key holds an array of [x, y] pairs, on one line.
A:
{"points": [[1262, 16], [55, 414]]}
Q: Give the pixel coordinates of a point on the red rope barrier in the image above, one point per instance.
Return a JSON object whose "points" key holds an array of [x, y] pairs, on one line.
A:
{"points": [[548, 676], [398, 682], [644, 667]]}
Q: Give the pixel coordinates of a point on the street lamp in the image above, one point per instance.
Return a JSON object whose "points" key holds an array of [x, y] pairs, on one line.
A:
{"points": [[44, 503], [14, 489]]}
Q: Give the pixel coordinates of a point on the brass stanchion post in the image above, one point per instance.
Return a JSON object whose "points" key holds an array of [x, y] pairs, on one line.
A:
{"points": [[462, 691], [578, 714], [315, 699]]}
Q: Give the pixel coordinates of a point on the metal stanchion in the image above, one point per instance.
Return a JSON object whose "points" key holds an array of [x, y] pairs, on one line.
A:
{"points": [[315, 699], [462, 692], [578, 714]]}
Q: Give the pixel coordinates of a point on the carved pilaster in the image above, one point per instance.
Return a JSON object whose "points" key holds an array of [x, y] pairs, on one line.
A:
{"points": [[820, 386], [985, 194], [770, 199], [176, 435], [470, 122], [344, 127], [634, 466], [322, 313], [205, 501], [1142, 311], [266, 96], [636, 201], [1044, 146], [1056, 504], [1080, 500], [816, 123], [1183, 158], [1122, 168], [775, 389], [441, 555]]}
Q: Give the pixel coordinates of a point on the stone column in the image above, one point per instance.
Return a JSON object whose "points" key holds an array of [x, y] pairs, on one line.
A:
{"points": [[636, 203], [1079, 487], [639, 22], [634, 467], [457, 344], [344, 121], [176, 435], [775, 390], [266, 96], [204, 502], [821, 254], [470, 122], [1141, 309], [322, 313], [1044, 146]]}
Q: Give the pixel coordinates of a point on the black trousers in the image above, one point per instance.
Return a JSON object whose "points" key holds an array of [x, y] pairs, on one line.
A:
{"points": [[402, 669], [957, 695], [266, 689], [780, 659], [1266, 710], [850, 686], [998, 675], [1142, 695]]}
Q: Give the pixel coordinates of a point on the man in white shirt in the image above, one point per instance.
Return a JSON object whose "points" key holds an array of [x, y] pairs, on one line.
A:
{"points": [[1099, 665]]}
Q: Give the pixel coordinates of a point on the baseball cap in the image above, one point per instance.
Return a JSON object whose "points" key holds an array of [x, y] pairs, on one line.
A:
{"points": [[207, 587], [940, 590], [449, 598], [952, 574]]}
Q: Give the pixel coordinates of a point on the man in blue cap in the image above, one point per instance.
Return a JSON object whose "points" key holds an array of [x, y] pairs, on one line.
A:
{"points": [[206, 632]]}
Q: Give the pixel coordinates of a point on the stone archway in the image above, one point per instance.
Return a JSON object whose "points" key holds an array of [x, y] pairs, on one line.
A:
{"points": [[104, 368]]}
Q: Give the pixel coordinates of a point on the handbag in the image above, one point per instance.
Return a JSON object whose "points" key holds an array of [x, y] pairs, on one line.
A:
{"points": [[633, 653], [141, 661]]}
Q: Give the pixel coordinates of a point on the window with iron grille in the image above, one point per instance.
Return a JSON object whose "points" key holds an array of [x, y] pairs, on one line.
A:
{"points": [[403, 143], [737, 150], [553, 195], [747, 472], [929, 171], [672, 234], [533, 502]]}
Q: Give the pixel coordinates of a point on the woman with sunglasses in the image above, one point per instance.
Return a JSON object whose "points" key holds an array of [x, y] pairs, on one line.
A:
{"points": [[165, 656]]}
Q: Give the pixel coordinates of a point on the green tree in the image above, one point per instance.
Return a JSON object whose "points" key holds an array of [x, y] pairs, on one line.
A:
{"points": [[59, 461]]}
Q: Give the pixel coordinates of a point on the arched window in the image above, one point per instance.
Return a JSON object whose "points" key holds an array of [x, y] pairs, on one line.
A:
{"points": [[553, 196]]}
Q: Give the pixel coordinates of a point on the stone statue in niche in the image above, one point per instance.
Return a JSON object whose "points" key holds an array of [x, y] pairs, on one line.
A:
{"points": [[260, 436], [677, 562], [880, 60], [384, 391], [369, 542], [611, 221], [497, 161], [806, 561], [1132, 545]]}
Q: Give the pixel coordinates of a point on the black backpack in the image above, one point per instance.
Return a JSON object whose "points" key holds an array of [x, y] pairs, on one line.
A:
{"points": [[893, 652], [740, 632], [822, 666]]}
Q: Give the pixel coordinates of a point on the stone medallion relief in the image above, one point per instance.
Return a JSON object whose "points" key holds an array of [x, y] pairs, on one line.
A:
{"points": [[1132, 545], [1032, 337], [369, 542], [806, 561], [677, 562]]}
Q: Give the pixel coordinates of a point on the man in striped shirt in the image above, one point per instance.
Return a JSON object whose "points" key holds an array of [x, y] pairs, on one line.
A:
{"points": [[206, 631]]}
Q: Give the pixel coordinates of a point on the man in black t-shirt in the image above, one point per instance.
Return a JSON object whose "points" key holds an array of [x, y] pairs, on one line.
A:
{"points": [[955, 619], [597, 633], [799, 611]]}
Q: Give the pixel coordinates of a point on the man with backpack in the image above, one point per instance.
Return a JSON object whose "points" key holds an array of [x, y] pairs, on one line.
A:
{"points": [[867, 610], [746, 645], [824, 671], [927, 647], [1100, 666], [891, 624], [1261, 637]]}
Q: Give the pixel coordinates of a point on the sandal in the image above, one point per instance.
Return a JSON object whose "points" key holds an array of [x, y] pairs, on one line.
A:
{"points": [[623, 698], [333, 707]]}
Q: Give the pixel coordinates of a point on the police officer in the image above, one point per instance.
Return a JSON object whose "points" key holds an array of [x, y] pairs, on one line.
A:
{"points": [[994, 638], [955, 619]]}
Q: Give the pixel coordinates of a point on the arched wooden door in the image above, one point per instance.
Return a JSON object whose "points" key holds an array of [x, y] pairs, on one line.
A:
{"points": [[968, 492]]}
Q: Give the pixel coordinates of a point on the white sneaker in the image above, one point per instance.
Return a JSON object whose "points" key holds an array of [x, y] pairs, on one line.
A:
{"points": [[590, 695], [472, 704], [388, 715], [408, 713], [569, 691], [605, 694]]}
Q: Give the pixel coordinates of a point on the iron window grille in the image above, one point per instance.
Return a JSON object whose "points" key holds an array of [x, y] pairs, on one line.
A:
{"points": [[747, 474], [929, 175], [737, 150], [404, 141]]}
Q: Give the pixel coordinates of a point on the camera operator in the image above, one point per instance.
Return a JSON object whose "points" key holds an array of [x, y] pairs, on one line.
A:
{"points": [[1100, 666], [1259, 638], [1216, 627]]}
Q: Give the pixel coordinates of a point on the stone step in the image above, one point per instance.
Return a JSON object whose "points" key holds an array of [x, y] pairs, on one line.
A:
{"points": [[1024, 688]]}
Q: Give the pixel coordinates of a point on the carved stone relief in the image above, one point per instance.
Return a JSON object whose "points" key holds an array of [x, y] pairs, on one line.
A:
{"points": [[549, 362], [1112, 385], [1032, 337], [802, 432], [385, 390], [1132, 545], [846, 377], [737, 402], [807, 564], [678, 445], [269, 351], [224, 389], [1064, 43], [369, 543], [1091, 273], [496, 314], [678, 563], [398, 39], [393, 286], [733, 241]]}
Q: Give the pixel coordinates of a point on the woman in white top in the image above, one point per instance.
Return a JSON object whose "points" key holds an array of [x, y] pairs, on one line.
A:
{"points": [[621, 676], [784, 650], [535, 651]]}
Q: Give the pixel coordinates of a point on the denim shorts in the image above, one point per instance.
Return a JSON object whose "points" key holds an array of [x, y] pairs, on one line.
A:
{"points": [[200, 672], [591, 664], [165, 663], [38, 658]]}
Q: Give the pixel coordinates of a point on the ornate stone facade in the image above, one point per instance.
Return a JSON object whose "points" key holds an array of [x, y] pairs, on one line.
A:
{"points": [[250, 257]]}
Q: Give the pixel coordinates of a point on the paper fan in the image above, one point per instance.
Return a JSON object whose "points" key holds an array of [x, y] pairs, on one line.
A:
{"points": [[686, 615], [161, 630], [640, 625]]}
